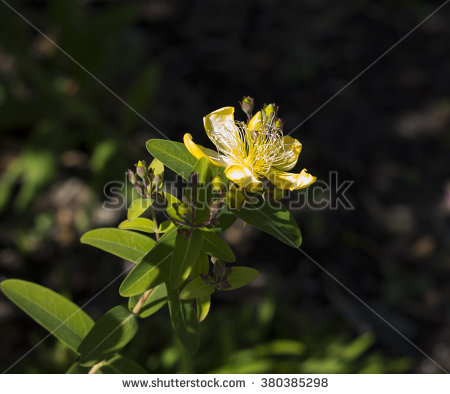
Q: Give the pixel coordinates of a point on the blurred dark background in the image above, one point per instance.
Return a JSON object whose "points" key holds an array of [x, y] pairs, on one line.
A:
{"points": [[64, 136]]}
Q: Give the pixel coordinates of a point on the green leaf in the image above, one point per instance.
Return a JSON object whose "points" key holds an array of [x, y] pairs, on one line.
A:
{"points": [[120, 364], [153, 269], [240, 276], [225, 220], [65, 320], [110, 333], [203, 193], [173, 154], [276, 221], [217, 247], [158, 169], [201, 266], [76, 368], [125, 244], [145, 225], [184, 321], [203, 169], [203, 306], [197, 288], [155, 301], [187, 249], [165, 226], [172, 203], [138, 207], [138, 224]]}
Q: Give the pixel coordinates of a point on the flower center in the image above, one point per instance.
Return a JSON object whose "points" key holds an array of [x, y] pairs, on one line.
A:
{"points": [[255, 150]]}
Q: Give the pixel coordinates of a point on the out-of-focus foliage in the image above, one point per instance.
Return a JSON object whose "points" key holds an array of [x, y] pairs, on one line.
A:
{"points": [[62, 114]]}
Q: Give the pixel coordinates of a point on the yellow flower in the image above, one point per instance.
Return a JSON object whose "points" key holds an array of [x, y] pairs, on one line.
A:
{"points": [[252, 151]]}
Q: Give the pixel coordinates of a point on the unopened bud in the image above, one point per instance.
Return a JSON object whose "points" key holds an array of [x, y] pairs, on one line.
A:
{"points": [[247, 105], [151, 175], [278, 123], [131, 177], [255, 123], [141, 169], [157, 179], [183, 209], [215, 209], [219, 269], [218, 184], [140, 189], [270, 111]]}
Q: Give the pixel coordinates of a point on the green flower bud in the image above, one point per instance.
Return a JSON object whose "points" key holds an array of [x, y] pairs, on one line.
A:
{"points": [[247, 105], [278, 123], [184, 209], [270, 111], [218, 184]]}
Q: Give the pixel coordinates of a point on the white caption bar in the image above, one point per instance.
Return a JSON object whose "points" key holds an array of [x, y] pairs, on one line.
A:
{"points": [[227, 383]]}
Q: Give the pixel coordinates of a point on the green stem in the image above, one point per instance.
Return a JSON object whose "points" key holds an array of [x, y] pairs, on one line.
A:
{"points": [[155, 223], [144, 296], [96, 367]]}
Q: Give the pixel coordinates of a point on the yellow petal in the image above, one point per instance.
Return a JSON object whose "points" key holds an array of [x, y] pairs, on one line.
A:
{"points": [[292, 149], [289, 180], [243, 177], [223, 132], [217, 118], [199, 151]]}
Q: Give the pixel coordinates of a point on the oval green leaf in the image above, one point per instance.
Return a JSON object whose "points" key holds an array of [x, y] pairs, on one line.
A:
{"points": [[110, 333], [184, 321], [241, 276], [158, 169], [173, 155], [215, 246], [201, 266], [203, 306], [138, 224], [171, 205], [184, 257], [274, 220], [65, 320], [138, 207], [203, 193], [197, 288], [122, 243], [145, 225], [225, 220], [153, 269]]}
